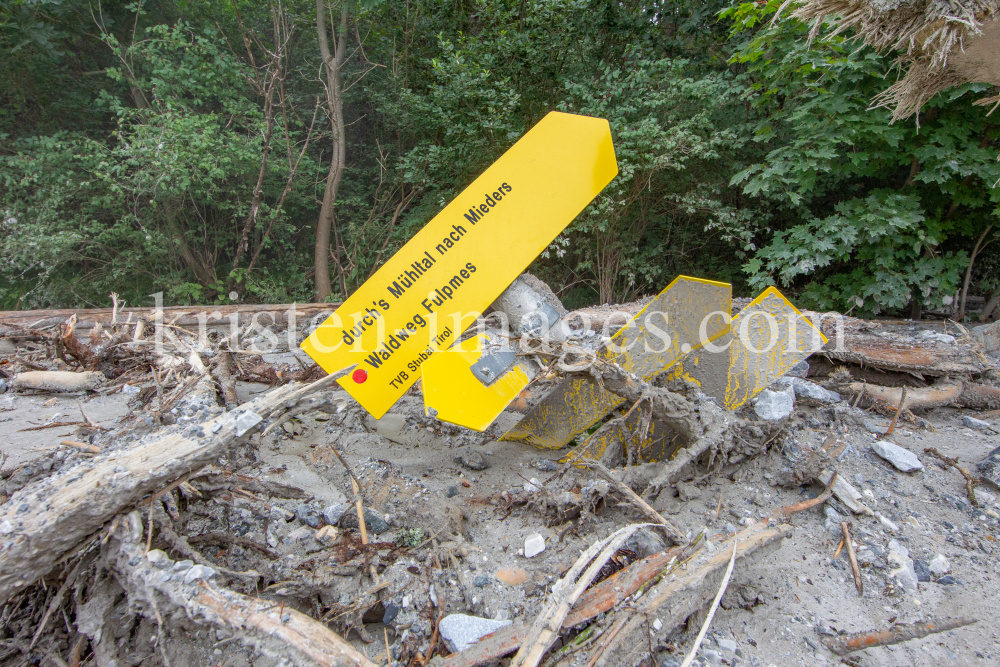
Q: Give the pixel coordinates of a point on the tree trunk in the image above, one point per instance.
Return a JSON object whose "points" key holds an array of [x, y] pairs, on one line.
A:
{"points": [[177, 233], [335, 107]]}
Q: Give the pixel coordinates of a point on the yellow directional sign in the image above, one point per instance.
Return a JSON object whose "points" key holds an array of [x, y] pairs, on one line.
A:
{"points": [[688, 313], [766, 339], [438, 283], [453, 394]]}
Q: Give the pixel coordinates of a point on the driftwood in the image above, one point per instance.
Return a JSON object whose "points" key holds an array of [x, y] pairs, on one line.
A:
{"points": [[866, 344], [545, 630], [601, 598], [181, 316], [57, 381], [897, 634], [679, 582], [966, 394], [74, 503], [690, 587], [278, 632]]}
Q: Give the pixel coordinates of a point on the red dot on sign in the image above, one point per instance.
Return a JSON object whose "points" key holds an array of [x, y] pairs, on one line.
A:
{"points": [[359, 375]]}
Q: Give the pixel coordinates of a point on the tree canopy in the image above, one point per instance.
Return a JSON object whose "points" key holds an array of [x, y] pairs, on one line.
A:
{"points": [[185, 146]]}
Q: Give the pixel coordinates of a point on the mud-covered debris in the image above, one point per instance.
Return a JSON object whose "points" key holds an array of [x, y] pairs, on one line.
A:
{"points": [[471, 458]]}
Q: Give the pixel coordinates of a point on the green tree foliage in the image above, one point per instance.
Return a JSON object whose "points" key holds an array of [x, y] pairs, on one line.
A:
{"points": [[132, 139], [860, 213]]}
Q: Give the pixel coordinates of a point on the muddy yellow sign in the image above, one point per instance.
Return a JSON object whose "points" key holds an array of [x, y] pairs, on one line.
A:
{"points": [[439, 282]]}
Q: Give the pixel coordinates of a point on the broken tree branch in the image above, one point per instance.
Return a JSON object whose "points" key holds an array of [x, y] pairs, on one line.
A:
{"points": [[284, 635], [565, 593], [970, 481], [858, 583], [897, 634], [672, 531], [686, 588], [711, 612], [81, 498]]}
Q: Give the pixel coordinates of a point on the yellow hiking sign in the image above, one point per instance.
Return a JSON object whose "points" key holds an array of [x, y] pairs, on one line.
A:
{"points": [[439, 282]]}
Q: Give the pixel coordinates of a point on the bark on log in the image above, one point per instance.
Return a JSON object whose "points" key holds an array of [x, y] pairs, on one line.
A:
{"points": [[72, 504], [866, 344], [966, 394], [278, 632]]}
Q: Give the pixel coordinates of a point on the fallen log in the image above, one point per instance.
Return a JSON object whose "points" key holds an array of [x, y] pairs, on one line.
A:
{"points": [[279, 633], [72, 504], [59, 381], [866, 343], [965, 394], [181, 316]]}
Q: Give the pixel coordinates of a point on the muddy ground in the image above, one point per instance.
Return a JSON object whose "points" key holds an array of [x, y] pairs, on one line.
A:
{"points": [[457, 535]]}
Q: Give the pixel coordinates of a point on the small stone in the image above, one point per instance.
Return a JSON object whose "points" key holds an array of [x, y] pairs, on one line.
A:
{"points": [[247, 421], [903, 571], [903, 459], [471, 459], [533, 485], [155, 556], [657, 624], [534, 544], [713, 657], [373, 522], [197, 572], [460, 631], [977, 424], [813, 392], [6, 527], [728, 645], [327, 535], [939, 565], [299, 534], [546, 465], [512, 577], [799, 370], [949, 580], [824, 629], [452, 492], [307, 515], [182, 565], [391, 611], [884, 520], [333, 513], [480, 581], [774, 405], [922, 570]]}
